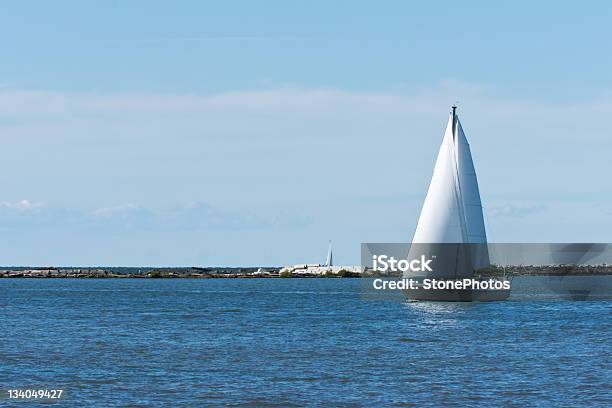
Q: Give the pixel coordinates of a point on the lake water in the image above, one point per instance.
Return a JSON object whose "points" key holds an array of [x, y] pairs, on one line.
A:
{"points": [[296, 342]]}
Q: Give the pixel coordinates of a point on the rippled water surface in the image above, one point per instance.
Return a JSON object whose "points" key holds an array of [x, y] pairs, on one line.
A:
{"points": [[296, 342]]}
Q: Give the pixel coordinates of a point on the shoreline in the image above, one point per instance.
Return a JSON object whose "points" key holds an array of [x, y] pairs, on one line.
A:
{"points": [[261, 272]]}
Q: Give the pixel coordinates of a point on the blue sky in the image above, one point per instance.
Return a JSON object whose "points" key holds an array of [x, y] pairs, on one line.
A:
{"points": [[243, 133]]}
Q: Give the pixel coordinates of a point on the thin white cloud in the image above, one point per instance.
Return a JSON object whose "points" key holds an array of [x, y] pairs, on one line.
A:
{"points": [[514, 210], [287, 147], [22, 206], [192, 216], [119, 210], [298, 100]]}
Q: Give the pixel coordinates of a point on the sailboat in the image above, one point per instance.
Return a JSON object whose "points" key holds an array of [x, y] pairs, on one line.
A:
{"points": [[451, 228], [330, 258]]}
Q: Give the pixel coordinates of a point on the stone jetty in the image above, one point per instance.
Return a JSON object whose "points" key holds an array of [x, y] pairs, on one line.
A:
{"points": [[102, 272], [269, 272]]}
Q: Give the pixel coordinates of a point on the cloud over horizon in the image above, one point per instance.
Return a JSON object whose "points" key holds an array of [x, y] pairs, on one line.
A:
{"points": [[290, 166], [191, 216]]}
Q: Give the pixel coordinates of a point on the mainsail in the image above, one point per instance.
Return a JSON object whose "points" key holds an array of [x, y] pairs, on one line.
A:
{"points": [[452, 211]]}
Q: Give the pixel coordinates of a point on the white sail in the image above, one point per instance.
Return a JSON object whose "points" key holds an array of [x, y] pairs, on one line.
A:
{"points": [[452, 211], [470, 193], [440, 220], [330, 259]]}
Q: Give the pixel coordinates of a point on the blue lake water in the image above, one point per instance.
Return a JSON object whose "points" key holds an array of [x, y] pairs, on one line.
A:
{"points": [[296, 342]]}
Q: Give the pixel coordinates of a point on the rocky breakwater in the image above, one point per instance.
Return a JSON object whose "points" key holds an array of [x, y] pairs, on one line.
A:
{"points": [[275, 272], [58, 273], [102, 272]]}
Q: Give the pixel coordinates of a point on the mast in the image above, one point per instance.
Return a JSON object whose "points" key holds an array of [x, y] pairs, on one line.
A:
{"points": [[462, 215], [453, 127], [459, 195]]}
